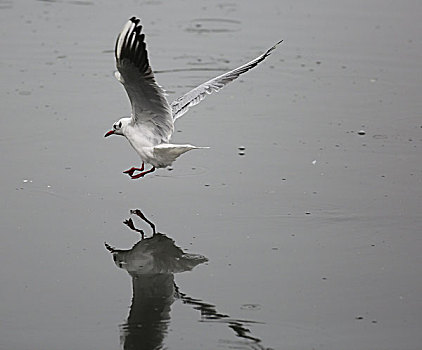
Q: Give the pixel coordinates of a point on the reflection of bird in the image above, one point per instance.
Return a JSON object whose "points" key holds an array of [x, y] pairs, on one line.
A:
{"points": [[155, 255], [152, 263], [151, 124]]}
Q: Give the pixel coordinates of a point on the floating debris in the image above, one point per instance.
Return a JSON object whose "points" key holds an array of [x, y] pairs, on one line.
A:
{"points": [[361, 132]]}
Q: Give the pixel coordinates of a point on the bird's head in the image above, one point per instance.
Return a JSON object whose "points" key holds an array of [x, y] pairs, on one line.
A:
{"points": [[118, 127]]}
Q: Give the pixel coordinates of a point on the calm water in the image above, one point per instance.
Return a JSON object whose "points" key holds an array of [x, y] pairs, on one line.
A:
{"points": [[311, 239]]}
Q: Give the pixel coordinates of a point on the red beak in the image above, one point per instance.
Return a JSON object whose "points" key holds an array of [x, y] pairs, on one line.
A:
{"points": [[111, 132]]}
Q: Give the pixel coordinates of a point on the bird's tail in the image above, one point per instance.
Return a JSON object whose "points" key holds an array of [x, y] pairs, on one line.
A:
{"points": [[167, 153]]}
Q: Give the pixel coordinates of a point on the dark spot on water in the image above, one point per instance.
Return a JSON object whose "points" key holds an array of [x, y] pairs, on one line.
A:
{"points": [[358, 318], [361, 132], [213, 25], [250, 307], [83, 3]]}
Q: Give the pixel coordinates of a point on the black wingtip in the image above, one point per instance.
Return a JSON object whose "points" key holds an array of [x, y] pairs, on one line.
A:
{"points": [[132, 45], [273, 48], [276, 44], [135, 20]]}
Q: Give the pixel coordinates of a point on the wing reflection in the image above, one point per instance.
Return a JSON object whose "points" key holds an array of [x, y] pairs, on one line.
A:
{"points": [[152, 263]]}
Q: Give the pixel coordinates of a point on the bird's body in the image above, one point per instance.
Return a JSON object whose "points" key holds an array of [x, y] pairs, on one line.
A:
{"points": [[150, 148], [151, 124]]}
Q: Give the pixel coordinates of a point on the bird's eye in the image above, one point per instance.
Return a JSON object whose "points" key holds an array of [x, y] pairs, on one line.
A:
{"points": [[120, 124]]}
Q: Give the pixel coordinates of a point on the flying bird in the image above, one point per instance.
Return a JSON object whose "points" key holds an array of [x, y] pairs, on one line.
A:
{"points": [[151, 124]]}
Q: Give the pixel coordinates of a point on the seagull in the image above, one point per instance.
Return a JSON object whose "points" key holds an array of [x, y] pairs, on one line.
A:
{"points": [[151, 124]]}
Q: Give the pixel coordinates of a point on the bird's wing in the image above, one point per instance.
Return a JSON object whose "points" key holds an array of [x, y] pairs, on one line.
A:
{"points": [[196, 95], [149, 104]]}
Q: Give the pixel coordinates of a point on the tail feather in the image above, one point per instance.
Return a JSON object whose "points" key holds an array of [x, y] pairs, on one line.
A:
{"points": [[165, 154]]}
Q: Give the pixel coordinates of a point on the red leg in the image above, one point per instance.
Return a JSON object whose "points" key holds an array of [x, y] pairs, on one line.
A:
{"points": [[143, 173], [133, 169]]}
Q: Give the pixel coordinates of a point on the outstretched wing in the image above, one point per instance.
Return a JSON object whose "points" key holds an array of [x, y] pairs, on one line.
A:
{"points": [[149, 104], [196, 95]]}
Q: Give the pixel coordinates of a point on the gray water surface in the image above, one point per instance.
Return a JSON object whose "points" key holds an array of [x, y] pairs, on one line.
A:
{"points": [[307, 206]]}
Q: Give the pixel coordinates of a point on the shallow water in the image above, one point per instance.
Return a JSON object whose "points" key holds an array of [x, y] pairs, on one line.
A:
{"points": [[307, 205]]}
